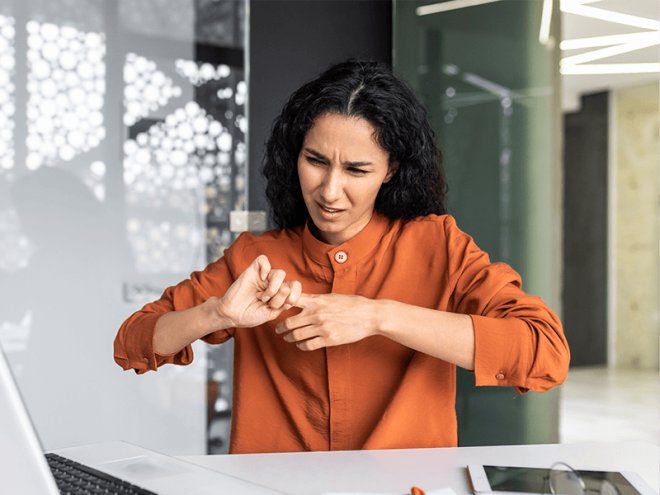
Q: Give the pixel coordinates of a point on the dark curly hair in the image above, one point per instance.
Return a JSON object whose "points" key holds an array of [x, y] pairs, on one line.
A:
{"points": [[369, 90]]}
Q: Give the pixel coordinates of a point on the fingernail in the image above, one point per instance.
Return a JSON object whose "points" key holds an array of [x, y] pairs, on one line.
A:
{"points": [[287, 306], [266, 299]]}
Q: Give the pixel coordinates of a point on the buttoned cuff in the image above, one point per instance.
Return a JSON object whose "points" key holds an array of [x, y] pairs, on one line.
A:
{"points": [[140, 347], [138, 344], [502, 352]]}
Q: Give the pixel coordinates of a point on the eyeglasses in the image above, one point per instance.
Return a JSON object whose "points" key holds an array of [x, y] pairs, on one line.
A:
{"points": [[564, 480]]}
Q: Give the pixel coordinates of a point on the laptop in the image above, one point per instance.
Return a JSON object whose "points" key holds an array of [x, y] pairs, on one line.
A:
{"points": [[25, 470]]}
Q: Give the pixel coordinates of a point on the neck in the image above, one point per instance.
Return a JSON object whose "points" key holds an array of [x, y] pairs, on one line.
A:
{"points": [[335, 238]]}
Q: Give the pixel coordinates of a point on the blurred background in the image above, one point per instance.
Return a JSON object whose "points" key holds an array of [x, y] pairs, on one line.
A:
{"points": [[130, 129]]}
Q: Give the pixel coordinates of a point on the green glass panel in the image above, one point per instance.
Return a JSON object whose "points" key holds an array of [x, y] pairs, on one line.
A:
{"points": [[489, 80]]}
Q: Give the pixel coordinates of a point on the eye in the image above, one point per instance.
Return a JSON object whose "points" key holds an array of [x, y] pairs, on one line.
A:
{"points": [[357, 171], [311, 159]]}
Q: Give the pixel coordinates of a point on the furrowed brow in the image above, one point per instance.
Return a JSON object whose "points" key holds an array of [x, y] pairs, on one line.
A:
{"points": [[318, 155], [358, 164], [321, 156]]}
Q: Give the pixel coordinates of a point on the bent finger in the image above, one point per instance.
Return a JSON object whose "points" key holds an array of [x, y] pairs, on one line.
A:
{"points": [[262, 265], [296, 291], [275, 279], [280, 296]]}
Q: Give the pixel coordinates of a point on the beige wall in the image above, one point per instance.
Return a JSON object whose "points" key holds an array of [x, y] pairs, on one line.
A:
{"points": [[636, 148]]}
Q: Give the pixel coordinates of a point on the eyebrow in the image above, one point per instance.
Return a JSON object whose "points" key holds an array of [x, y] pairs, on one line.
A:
{"points": [[321, 156]]}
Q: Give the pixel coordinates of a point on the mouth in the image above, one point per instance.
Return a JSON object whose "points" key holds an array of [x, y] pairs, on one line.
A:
{"points": [[329, 213]]}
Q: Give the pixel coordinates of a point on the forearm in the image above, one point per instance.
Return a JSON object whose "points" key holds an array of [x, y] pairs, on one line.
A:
{"points": [[177, 329], [446, 336]]}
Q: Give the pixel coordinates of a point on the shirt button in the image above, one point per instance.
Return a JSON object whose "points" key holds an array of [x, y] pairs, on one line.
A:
{"points": [[145, 361], [341, 257], [500, 376]]}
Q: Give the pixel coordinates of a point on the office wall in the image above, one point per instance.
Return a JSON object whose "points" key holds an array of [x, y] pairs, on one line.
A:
{"points": [[635, 122], [584, 294]]}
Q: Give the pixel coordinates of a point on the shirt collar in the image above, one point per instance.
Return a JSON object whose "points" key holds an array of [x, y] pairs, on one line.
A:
{"points": [[356, 248]]}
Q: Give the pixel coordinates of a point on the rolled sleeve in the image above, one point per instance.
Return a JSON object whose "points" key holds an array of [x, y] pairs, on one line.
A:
{"points": [[135, 349], [133, 345], [519, 341], [511, 352]]}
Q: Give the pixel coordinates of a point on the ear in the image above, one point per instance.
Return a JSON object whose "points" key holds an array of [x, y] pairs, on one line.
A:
{"points": [[390, 173]]}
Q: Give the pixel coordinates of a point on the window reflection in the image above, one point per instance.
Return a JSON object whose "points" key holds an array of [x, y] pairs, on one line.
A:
{"points": [[143, 105], [146, 88], [171, 19], [15, 247], [199, 74], [66, 86], [7, 104]]}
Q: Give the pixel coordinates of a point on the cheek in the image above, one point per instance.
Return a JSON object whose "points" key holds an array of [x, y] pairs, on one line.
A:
{"points": [[365, 193], [306, 178], [301, 175]]}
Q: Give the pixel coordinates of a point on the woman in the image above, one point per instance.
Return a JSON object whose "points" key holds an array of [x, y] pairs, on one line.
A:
{"points": [[349, 321]]}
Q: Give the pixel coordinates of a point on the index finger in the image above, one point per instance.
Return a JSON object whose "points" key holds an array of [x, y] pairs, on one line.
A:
{"points": [[296, 291], [263, 265], [304, 300]]}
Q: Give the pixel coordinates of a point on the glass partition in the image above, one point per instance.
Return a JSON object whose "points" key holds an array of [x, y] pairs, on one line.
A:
{"points": [[487, 72], [122, 152]]}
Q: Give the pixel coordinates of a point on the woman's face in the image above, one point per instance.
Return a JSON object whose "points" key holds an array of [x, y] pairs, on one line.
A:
{"points": [[341, 169]]}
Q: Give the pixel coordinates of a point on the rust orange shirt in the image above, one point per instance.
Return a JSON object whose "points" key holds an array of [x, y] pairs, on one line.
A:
{"points": [[374, 393]]}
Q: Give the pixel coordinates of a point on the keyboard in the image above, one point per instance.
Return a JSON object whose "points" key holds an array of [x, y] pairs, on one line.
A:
{"points": [[73, 478]]}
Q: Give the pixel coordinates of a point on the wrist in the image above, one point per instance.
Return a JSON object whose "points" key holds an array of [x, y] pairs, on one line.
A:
{"points": [[380, 309], [218, 314]]}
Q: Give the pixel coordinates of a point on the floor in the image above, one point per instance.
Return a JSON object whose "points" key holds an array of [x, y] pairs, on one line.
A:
{"points": [[618, 405]]}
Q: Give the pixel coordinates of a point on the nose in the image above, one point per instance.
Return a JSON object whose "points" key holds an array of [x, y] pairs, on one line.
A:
{"points": [[332, 186]]}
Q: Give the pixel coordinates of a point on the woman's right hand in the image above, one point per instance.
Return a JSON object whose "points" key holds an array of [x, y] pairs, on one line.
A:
{"points": [[258, 295]]}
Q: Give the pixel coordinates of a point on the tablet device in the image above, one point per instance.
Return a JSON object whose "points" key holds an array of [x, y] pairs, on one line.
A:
{"points": [[503, 480]]}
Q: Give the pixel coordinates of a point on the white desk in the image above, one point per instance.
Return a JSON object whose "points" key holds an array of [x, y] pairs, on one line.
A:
{"points": [[396, 471]]}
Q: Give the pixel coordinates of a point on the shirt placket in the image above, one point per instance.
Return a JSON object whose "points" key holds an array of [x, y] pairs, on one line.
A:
{"points": [[339, 365]]}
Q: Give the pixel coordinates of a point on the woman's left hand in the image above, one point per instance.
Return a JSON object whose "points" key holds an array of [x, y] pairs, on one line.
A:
{"points": [[329, 319]]}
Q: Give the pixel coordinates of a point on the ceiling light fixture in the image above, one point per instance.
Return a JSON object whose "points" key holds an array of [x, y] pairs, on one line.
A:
{"points": [[451, 5], [573, 7], [613, 39], [610, 69], [605, 52], [546, 18]]}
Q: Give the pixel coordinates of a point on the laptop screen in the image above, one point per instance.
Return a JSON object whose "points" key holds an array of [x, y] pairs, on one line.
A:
{"points": [[23, 468]]}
